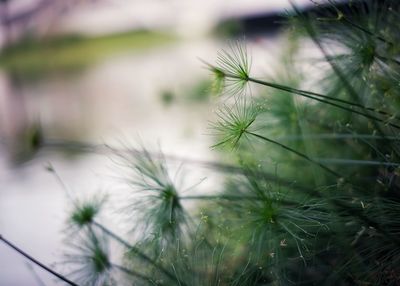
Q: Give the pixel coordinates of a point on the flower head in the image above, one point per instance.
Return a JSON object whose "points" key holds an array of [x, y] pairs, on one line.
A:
{"points": [[155, 204], [232, 70], [84, 212], [89, 260], [234, 123], [235, 62]]}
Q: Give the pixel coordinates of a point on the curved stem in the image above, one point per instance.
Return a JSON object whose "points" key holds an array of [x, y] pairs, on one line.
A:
{"points": [[336, 136], [305, 92], [297, 153], [38, 263], [328, 100], [338, 161]]}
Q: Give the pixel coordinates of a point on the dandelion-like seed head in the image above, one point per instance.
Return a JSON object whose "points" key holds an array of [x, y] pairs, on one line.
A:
{"points": [[89, 260], [234, 123], [235, 61], [85, 212], [232, 70], [235, 64], [156, 201]]}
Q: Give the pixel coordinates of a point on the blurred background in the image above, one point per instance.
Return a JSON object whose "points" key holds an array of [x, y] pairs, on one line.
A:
{"points": [[115, 72]]}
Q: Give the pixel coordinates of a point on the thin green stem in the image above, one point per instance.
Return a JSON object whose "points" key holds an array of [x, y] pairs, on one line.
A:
{"points": [[338, 161], [336, 136], [305, 92], [136, 250], [327, 100], [38, 263], [295, 152]]}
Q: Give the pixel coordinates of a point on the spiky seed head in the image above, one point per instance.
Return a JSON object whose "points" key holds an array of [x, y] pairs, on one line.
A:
{"points": [[155, 202], [233, 66], [89, 260], [234, 61], [84, 212], [233, 123]]}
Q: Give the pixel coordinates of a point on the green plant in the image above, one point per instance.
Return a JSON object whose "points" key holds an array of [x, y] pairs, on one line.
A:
{"points": [[311, 195]]}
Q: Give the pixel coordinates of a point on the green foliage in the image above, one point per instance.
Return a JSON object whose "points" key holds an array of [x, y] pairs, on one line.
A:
{"points": [[315, 197], [202, 90], [229, 28]]}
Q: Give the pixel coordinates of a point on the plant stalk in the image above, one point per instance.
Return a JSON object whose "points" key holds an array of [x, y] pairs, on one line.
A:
{"points": [[38, 263], [328, 100], [296, 152]]}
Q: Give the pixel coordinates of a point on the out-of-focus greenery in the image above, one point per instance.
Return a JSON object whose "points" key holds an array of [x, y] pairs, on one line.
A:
{"points": [[34, 58], [199, 92], [229, 28], [167, 97]]}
